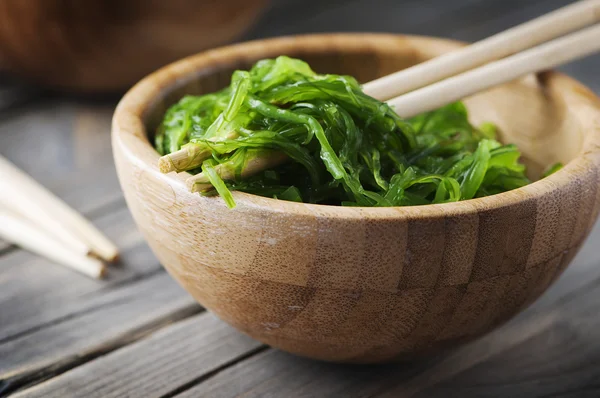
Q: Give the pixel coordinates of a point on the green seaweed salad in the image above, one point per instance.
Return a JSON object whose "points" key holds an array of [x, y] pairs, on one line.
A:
{"points": [[281, 130]]}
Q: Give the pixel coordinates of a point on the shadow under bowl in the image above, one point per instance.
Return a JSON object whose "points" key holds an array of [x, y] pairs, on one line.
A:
{"points": [[367, 284]]}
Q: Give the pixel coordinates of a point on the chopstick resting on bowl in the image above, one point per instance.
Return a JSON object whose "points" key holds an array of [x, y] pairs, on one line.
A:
{"points": [[511, 41], [531, 47], [26, 206], [549, 55]]}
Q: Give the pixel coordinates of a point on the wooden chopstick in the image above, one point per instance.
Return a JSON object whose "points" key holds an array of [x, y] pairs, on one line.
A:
{"points": [[27, 207], [431, 92], [546, 56], [24, 195], [21, 232], [511, 41]]}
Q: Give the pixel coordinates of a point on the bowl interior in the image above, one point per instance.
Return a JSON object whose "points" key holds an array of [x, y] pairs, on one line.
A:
{"points": [[540, 125]]}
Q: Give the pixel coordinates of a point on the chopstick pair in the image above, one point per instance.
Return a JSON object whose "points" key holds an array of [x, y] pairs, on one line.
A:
{"points": [[458, 74], [32, 217], [464, 72]]}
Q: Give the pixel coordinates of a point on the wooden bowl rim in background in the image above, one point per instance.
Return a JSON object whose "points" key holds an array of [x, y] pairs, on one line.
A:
{"points": [[129, 129]]}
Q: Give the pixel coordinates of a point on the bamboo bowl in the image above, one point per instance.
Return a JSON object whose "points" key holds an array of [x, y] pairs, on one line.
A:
{"points": [[367, 284]]}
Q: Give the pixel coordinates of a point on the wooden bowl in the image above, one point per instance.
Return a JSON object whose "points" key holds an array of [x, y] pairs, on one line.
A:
{"points": [[367, 284], [108, 45]]}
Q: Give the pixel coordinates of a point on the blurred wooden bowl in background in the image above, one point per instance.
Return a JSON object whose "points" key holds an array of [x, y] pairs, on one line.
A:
{"points": [[107, 45]]}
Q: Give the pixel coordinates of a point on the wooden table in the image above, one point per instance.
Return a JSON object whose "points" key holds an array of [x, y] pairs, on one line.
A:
{"points": [[138, 334]]}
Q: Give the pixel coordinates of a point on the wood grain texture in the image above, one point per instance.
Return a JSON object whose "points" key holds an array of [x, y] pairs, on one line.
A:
{"points": [[62, 143], [28, 294], [180, 358], [516, 360], [324, 308], [155, 366], [530, 369], [52, 318], [107, 45], [127, 315], [526, 342], [72, 154]]}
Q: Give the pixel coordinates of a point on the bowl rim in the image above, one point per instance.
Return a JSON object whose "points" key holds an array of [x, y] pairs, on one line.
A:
{"points": [[129, 114]]}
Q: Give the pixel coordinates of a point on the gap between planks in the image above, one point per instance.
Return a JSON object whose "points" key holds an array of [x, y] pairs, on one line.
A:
{"points": [[36, 278], [162, 364], [200, 379], [89, 183], [87, 310], [50, 348], [202, 356], [38, 375], [563, 294], [523, 346]]}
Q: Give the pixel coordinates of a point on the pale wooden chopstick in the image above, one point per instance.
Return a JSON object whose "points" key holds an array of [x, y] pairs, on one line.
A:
{"points": [[52, 214], [433, 92], [546, 56], [21, 232], [521, 37], [27, 207]]}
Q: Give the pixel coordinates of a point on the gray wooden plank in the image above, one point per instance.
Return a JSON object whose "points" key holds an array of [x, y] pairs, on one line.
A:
{"points": [[65, 145], [538, 354], [35, 292], [285, 363], [76, 173], [155, 366], [127, 314], [4, 246], [561, 361], [274, 374], [410, 16], [278, 374], [52, 318], [554, 353], [26, 349]]}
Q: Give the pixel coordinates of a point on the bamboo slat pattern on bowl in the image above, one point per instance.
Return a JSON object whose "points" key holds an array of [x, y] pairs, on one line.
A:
{"points": [[368, 284]]}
